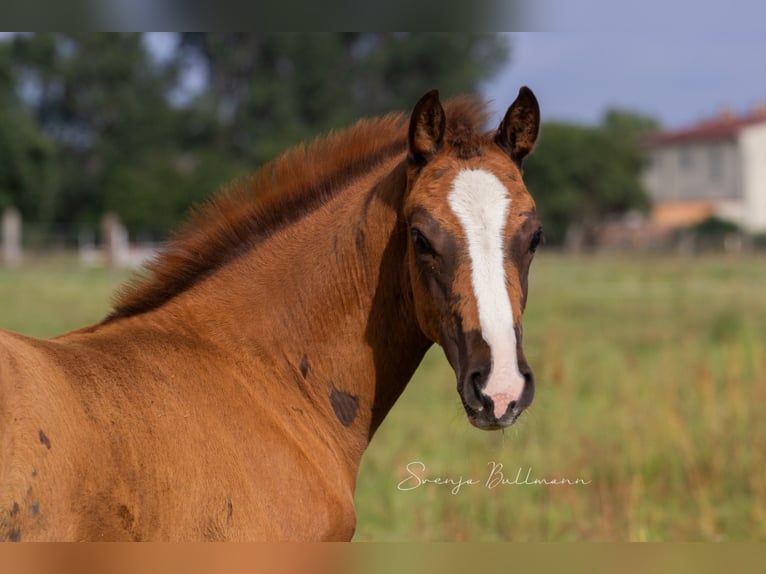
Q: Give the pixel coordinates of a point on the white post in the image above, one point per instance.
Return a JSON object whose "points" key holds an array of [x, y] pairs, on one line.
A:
{"points": [[11, 237], [115, 239]]}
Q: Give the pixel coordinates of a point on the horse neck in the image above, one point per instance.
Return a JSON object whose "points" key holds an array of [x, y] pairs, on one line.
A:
{"points": [[326, 302]]}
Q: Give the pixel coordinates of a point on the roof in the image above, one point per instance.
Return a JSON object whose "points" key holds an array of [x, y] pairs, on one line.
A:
{"points": [[724, 127], [674, 214]]}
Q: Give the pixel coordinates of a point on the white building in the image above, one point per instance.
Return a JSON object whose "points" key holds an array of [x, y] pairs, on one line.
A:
{"points": [[715, 168]]}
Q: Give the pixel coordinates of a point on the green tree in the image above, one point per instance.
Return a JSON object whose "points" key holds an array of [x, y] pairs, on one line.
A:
{"points": [[580, 175], [101, 100], [27, 157], [628, 127], [269, 91], [128, 136]]}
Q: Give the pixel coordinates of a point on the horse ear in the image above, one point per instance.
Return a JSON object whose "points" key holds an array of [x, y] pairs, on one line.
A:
{"points": [[518, 130], [426, 128]]}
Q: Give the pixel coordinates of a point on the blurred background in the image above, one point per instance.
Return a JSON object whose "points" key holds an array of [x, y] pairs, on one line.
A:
{"points": [[650, 145], [646, 322]]}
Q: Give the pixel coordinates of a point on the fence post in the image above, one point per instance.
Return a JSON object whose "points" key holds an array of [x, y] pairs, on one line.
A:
{"points": [[11, 237], [115, 241]]}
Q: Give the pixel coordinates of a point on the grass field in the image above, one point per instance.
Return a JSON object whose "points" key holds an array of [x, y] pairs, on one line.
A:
{"points": [[651, 387]]}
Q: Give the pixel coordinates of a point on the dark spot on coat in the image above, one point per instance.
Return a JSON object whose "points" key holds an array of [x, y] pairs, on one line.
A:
{"points": [[344, 405], [229, 511], [34, 509], [14, 535], [304, 366], [15, 509], [126, 517], [34, 473], [44, 440]]}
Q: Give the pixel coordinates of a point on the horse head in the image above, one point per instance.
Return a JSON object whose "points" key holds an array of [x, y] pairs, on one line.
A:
{"points": [[473, 232]]}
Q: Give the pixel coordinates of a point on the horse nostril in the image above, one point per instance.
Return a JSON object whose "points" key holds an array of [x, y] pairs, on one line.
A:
{"points": [[529, 377], [511, 405], [475, 382], [476, 379]]}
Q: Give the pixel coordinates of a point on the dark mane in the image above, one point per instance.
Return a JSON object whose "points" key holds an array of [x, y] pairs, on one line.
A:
{"points": [[281, 192]]}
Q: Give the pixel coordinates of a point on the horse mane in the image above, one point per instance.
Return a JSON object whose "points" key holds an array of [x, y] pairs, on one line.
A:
{"points": [[279, 193]]}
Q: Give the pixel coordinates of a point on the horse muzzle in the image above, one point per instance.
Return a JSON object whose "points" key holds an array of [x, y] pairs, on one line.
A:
{"points": [[498, 405]]}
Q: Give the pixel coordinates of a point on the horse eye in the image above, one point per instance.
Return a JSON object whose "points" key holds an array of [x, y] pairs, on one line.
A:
{"points": [[421, 244], [536, 239]]}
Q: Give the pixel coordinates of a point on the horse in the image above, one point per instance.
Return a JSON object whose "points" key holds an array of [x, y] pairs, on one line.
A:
{"points": [[234, 387]]}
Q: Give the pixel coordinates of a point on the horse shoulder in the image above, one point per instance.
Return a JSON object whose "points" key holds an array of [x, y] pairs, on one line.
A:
{"points": [[42, 429]]}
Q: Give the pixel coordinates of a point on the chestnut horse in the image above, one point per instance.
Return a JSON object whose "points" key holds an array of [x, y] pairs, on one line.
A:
{"points": [[232, 391]]}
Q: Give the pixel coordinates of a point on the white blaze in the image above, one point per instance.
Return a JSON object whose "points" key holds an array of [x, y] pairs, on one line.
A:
{"points": [[481, 203]]}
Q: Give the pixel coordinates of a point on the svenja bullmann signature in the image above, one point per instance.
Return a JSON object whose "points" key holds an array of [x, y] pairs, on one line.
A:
{"points": [[417, 477]]}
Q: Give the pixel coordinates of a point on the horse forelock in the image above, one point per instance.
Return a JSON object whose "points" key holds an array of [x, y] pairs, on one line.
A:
{"points": [[464, 131], [280, 193]]}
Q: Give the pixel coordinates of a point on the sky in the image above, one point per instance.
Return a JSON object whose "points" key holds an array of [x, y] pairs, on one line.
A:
{"points": [[677, 78], [679, 61]]}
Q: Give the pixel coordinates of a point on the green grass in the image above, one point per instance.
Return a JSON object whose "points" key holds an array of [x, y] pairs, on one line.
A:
{"points": [[651, 384], [50, 296]]}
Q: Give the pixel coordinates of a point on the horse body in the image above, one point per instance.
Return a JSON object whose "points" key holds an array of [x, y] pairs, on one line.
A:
{"points": [[142, 457], [230, 411], [236, 406]]}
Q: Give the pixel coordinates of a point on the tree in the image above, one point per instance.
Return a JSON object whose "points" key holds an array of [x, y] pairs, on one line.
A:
{"points": [[27, 157], [100, 100], [269, 91], [628, 127], [125, 141], [580, 175]]}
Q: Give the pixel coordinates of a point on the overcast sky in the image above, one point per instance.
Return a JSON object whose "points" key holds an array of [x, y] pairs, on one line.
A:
{"points": [[679, 61]]}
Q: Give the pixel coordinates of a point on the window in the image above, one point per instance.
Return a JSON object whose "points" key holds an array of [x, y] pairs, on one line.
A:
{"points": [[685, 158], [715, 164]]}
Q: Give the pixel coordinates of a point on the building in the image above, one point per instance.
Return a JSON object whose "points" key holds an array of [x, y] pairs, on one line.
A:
{"points": [[715, 168]]}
